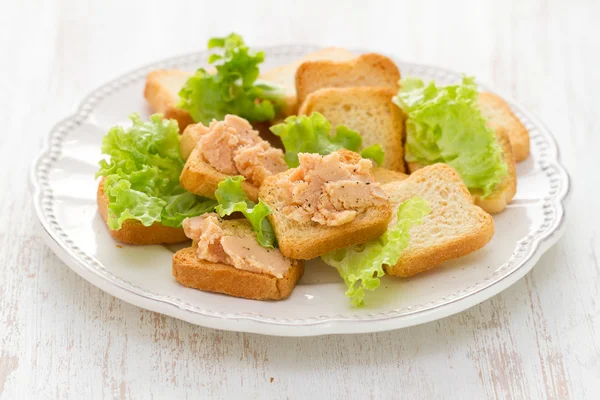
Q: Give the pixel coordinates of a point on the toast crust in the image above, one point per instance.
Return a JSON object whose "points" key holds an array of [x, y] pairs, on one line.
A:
{"points": [[304, 241], [133, 231], [162, 93], [418, 258], [371, 69], [500, 117], [200, 178], [193, 272], [382, 122]]}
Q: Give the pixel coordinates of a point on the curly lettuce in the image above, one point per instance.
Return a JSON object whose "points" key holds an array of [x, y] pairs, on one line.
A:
{"points": [[231, 198], [361, 266], [142, 175], [444, 124], [234, 88], [312, 134]]}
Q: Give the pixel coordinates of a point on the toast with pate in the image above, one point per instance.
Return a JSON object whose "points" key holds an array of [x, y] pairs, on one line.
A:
{"points": [[226, 258], [229, 148], [328, 202], [192, 133]]}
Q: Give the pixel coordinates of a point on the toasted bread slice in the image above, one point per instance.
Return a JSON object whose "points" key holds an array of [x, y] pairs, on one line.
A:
{"points": [[384, 175], [285, 76], [201, 178], [454, 228], [369, 69], [505, 191], [162, 92], [367, 110], [303, 241], [500, 117], [193, 272], [133, 231]]}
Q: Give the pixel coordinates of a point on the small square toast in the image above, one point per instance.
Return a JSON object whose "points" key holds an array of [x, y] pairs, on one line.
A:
{"points": [[454, 228], [369, 69]]}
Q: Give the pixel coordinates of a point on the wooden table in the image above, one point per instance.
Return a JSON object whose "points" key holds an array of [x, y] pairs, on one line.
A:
{"points": [[60, 337]]}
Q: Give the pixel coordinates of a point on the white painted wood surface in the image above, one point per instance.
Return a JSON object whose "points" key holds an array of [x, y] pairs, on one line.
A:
{"points": [[60, 337]]}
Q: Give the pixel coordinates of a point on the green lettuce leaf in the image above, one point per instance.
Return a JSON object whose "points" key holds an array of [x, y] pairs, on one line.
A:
{"points": [[142, 175], [312, 134], [361, 266], [444, 124], [234, 88], [231, 198], [374, 152]]}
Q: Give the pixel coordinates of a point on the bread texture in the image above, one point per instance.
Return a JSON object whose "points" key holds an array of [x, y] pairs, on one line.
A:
{"points": [[369, 69], [201, 178], [384, 175], [133, 231], [501, 118], [454, 228], [162, 93], [367, 110], [503, 192], [285, 76], [193, 272], [303, 241]]}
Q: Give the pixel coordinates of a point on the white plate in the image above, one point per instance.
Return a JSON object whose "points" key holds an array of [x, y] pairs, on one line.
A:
{"points": [[65, 202]]}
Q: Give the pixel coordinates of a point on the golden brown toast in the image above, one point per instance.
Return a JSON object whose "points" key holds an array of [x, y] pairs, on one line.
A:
{"points": [[501, 118], [193, 272], [133, 231], [454, 228], [371, 69]]}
